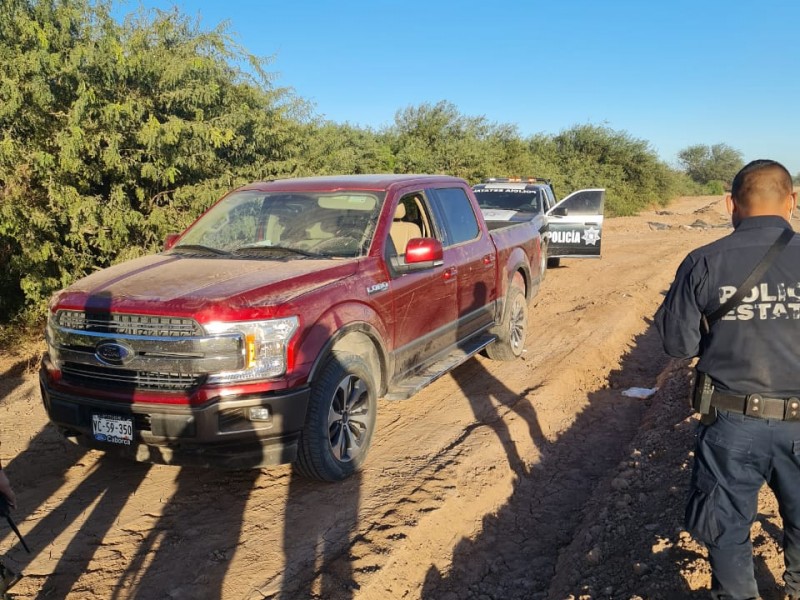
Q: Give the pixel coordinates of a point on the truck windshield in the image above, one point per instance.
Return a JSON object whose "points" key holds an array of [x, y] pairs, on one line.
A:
{"points": [[509, 199], [298, 224]]}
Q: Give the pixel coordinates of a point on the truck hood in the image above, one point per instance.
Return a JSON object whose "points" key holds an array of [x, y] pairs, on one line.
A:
{"points": [[174, 284]]}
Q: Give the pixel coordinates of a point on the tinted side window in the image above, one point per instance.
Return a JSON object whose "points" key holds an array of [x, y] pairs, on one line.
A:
{"points": [[455, 211], [584, 203], [551, 200]]}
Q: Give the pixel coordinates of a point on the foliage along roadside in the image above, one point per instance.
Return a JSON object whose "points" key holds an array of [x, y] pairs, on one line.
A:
{"points": [[114, 134]]}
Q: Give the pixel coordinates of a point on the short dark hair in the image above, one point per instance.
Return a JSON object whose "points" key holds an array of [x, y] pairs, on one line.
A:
{"points": [[745, 181]]}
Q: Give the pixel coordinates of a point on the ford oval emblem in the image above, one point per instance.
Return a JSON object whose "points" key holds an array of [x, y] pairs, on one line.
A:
{"points": [[113, 353]]}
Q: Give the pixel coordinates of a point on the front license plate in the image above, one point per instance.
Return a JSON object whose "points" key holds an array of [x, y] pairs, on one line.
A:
{"points": [[112, 428]]}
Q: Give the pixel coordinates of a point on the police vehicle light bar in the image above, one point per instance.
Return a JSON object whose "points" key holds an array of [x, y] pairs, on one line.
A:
{"points": [[515, 180]]}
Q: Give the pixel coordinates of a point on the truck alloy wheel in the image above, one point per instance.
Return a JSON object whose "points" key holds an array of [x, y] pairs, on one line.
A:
{"points": [[512, 330], [347, 418], [340, 419]]}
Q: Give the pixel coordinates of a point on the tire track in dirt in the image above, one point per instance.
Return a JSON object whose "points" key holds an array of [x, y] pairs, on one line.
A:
{"points": [[552, 407]]}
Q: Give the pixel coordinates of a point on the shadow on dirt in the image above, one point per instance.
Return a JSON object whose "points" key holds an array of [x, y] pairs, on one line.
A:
{"points": [[317, 538], [187, 552], [13, 377], [517, 553], [36, 474], [106, 490], [184, 554], [491, 401], [184, 539]]}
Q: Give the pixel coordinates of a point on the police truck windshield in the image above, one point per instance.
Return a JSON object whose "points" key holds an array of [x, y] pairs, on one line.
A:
{"points": [[509, 199]]}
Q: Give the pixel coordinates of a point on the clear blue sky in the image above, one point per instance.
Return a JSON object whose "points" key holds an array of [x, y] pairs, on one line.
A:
{"points": [[671, 72]]}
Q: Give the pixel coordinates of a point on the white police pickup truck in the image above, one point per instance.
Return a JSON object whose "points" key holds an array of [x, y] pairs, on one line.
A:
{"points": [[571, 228]]}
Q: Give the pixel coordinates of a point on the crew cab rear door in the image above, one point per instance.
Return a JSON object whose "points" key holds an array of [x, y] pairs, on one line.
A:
{"points": [[474, 257], [575, 225]]}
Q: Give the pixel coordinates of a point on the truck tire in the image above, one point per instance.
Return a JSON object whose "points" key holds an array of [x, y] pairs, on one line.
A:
{"points": [[512, 329], [340, 420], [553, 262]]}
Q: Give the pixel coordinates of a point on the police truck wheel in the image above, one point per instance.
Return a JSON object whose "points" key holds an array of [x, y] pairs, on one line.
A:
{"points": [[553, 262], [512, 330], [340, 420]]}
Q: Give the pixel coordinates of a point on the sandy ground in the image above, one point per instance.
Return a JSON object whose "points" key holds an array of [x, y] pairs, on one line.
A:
{"points": [[533, 479]]}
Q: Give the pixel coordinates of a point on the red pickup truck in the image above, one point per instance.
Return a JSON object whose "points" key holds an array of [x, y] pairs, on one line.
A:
{"points": [[266, 332]]}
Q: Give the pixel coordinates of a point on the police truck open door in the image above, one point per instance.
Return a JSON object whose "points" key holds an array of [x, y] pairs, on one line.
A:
{"points": [[576, 225]]}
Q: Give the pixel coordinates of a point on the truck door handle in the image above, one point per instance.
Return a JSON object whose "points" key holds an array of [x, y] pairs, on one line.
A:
{"points": [[450, 274]]}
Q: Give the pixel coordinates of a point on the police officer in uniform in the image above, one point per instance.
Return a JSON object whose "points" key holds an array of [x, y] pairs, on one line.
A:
{"points": [[750, 361]]}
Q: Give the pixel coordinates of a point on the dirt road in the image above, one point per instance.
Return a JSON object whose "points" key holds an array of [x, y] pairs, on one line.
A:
{"points": [[532, 479]]}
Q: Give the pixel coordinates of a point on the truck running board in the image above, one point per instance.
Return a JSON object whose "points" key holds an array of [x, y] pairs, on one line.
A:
{"points": [[406, 388]]}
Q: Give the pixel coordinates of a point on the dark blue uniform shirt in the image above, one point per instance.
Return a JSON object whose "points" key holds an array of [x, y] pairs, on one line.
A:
{"points": [[755, 348]]}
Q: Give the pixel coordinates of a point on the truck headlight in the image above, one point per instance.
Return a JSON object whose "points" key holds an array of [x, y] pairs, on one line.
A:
{"points": [[52, 344], [264, 350]]}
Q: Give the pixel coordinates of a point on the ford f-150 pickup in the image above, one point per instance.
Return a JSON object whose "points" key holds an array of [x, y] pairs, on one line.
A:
{"points": [[266, 332]]}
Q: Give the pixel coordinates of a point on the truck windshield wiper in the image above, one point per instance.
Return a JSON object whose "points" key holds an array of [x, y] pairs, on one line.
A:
{"points": [[199, 248], [258, 249]]}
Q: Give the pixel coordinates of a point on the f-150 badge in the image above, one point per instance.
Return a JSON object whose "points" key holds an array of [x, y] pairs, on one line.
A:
{"points": [[377, 287]]}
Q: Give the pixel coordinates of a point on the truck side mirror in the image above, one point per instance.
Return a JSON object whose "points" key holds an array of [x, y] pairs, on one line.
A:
{"points": [[560, 211], [170, 240], [423, 250], [421, 254]]}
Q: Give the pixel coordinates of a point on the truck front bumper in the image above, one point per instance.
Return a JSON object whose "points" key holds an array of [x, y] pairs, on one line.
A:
{"points": [[221, 433]]}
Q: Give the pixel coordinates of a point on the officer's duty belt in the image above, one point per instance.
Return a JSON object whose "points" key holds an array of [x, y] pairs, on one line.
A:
{"points": [[756, 405]]}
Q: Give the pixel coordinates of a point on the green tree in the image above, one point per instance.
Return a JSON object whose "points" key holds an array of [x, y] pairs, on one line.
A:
{"points": [[332, 149], [112, 134], [597, 156], [705, 164], [436, 138], [796, 178]]}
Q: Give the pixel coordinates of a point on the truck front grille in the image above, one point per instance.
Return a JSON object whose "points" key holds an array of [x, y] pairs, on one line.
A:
{"points": [[139, 352], [128, 380], [116, 323]]}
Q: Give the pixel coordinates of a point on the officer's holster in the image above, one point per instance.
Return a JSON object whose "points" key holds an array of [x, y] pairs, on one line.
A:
{"points": [[701, 398]]}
